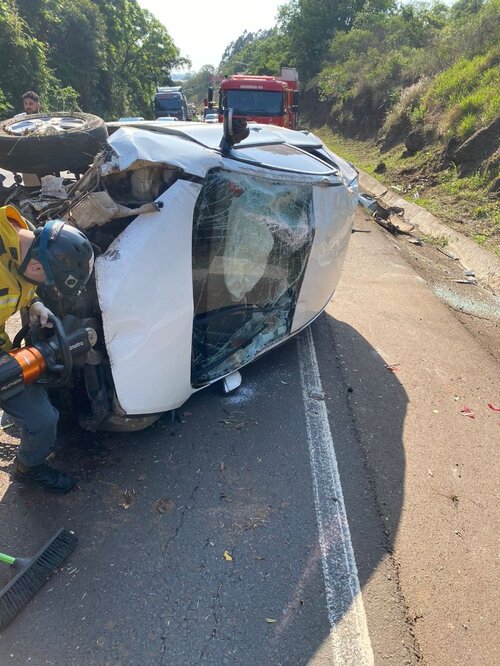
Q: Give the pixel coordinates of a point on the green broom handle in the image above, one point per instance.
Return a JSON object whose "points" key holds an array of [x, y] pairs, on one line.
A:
{"points": [[7, 559]]}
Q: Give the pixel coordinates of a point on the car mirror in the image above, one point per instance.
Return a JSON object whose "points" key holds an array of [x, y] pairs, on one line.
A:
{"points": [[234, 130]]}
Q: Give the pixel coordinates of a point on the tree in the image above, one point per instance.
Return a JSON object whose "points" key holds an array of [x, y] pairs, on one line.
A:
{"points": [[311, 24], [197, 84], [23, 58], [140, 56]]}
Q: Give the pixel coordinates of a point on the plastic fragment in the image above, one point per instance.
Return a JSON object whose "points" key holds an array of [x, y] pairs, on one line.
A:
{"points": [[271, 620], [467, 411], [493, 408], [227, 556]]}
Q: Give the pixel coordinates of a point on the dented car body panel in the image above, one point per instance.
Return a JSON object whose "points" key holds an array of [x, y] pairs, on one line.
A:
{"points": [[209, 256], [228, 267]]}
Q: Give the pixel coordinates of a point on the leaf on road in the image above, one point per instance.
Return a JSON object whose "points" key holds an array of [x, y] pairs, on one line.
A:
{"points": [[227, 556]]}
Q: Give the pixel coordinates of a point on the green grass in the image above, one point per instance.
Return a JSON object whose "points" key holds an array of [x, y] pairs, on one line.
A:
{"points": [[480, 239], [464, 204], [439, 241], [467, 94]]}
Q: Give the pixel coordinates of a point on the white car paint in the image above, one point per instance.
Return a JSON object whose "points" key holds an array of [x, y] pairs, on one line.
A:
{"points": [[145, 278]]}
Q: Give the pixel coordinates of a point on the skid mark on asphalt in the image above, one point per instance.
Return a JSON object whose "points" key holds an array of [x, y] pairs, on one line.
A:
{"points": [[349, 636]]}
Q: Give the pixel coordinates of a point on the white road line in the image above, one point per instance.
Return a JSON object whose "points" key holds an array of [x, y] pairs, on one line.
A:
{"points": [[349, 631]]}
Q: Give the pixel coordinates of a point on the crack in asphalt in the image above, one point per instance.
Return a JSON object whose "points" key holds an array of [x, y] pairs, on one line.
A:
{"points": [[215, 605], [187, 507]]}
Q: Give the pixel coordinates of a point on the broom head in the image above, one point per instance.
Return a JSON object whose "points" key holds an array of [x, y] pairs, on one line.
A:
{"points": [[33, 573]]}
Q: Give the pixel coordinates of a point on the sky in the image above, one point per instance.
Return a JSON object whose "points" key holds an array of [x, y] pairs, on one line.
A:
{"points": [[202, 29]]}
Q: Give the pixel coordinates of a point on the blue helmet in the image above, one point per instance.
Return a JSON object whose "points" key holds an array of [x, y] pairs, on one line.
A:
{"points": [[66, 255]]}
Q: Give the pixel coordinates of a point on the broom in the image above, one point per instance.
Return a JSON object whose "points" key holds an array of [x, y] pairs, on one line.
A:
{"points": [[32, 574]]}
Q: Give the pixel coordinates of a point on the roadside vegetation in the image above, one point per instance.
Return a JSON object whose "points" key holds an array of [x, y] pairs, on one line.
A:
{"points": [[410, 90], [104, 56]]}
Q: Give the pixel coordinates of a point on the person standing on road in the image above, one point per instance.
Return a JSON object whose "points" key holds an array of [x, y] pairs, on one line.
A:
{"points": [[59, 256], [31, 102]]}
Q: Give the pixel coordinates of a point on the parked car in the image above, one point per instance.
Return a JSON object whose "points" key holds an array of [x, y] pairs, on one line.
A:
{"points": [[212, 118], [130, 119], [168, 119], [214, 247]]}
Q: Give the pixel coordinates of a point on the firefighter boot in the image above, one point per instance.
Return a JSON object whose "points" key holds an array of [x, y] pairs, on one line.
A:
{"points": [[45, 477]]}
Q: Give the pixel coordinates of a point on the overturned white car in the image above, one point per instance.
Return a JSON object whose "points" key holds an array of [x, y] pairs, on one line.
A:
{"points": [[211, 253]]}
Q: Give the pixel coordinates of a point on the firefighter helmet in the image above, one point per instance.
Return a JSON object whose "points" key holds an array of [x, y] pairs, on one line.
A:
{"points": [[66, 255]]}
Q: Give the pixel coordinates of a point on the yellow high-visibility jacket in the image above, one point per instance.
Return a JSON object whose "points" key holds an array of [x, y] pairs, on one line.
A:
{"points": [[15, 291]]}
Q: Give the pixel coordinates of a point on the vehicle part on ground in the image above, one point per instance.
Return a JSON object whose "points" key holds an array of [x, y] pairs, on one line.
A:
{"points": [[44, 143], [232, 382]]}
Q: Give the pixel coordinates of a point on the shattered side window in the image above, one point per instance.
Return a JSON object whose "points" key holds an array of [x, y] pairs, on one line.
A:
{"points": [[251, 243]]}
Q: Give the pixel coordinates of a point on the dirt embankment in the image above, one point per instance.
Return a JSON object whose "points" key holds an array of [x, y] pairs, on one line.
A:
{"points": [[458, 181]]}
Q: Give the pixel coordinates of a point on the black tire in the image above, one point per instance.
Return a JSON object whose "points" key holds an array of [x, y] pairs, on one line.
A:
{"points": [[71, 145]]}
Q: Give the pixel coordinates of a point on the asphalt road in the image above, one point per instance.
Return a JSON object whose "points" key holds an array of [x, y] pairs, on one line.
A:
{"points": [[336, 509]]}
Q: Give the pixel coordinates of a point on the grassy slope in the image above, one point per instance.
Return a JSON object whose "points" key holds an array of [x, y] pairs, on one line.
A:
{"points": [[462, 203]]}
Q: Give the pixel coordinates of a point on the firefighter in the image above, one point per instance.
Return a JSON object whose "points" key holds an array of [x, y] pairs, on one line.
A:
{"points": [[58, 256]]}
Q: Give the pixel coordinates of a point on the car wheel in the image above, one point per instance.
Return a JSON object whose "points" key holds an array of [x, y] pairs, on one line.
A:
{"points": [[43, 143]]}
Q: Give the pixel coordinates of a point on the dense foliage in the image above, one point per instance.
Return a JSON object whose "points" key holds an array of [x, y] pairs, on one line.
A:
{"points": [[365, 66], [102, 56]]}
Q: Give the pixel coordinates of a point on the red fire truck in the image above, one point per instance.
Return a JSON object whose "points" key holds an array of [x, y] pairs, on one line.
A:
{"points": [[270, 100]]}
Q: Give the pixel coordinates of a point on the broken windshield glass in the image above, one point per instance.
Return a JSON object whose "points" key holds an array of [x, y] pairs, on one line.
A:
{"points": [[251, 242]]}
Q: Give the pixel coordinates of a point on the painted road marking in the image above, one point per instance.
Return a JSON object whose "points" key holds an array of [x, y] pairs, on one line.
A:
{"points": [[349, 636]]}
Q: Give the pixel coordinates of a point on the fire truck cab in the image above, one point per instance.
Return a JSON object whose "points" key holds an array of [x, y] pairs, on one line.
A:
{"points": [[269, 100]]}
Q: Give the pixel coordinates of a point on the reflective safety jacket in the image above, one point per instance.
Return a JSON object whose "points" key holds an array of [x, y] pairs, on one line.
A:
{"points": [[15, 291]]}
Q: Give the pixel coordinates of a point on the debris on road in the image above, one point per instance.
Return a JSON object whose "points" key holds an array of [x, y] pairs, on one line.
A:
{"points": [[447, 254], [164, 505], [467, 411], [390, 217], [493, 408], [128, 499], [367, 201], [227, 556]]}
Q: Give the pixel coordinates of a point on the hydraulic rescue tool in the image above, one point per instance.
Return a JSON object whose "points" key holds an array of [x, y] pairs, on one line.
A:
{"points": [[49, 351]]}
